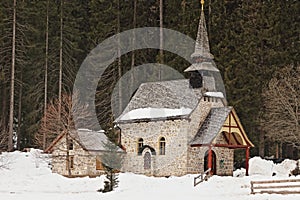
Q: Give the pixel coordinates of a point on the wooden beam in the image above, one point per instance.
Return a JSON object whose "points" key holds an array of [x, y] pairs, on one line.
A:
{"points": [[247, 160], [228, 126], [276, 181], [276, 186], [225, 136], [209, 160], [236, 141], [243, 134], [233, 146], [280, 192]]}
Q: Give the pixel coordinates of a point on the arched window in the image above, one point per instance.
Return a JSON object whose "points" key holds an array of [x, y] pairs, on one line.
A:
{"points": [[147, 160], [140, 144], [162, 146]]}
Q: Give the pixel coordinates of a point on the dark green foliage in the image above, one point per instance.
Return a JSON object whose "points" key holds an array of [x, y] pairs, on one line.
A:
{"points": [[249, 39], [112, 160]]}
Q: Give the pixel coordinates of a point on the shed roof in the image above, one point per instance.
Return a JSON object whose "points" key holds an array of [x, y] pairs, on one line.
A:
{"points": [[211, 125]]}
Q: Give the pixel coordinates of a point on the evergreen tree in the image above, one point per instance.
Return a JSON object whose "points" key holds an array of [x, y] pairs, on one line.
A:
{"points": [[112, 160]]}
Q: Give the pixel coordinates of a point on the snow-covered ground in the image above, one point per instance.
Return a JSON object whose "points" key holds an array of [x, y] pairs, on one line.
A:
{"points": [[28, 177]]}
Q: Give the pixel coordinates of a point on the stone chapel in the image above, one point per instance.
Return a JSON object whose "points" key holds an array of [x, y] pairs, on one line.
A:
{"points": [[178, 127]]}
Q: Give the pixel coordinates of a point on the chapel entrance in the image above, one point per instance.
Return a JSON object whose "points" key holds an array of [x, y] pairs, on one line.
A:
{"points": [[214, 162]]}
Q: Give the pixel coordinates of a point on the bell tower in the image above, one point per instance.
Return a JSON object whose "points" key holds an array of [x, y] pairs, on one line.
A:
{"points": [[203, 64]]}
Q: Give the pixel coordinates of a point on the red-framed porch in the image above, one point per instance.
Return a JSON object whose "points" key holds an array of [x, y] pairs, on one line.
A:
{"points": [[235, 138]]}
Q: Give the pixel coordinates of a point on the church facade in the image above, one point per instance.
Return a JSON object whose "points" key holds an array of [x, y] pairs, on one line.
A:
{"points": [[183, 126]]}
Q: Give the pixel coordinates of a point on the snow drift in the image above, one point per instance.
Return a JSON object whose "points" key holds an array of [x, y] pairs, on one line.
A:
{"points": [[28, 176]]}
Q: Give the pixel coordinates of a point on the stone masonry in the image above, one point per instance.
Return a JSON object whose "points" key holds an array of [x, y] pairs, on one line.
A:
{"points": [[179, 158], [84, 162]]}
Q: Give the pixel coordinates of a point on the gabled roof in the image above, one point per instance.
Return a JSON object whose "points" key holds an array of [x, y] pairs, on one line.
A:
{"points": [[89, 140], [211, 125], [175, 94], [223, 120]]}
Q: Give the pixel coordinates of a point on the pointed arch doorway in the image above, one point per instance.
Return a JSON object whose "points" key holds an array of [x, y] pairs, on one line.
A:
{"points": [[213, 161]]}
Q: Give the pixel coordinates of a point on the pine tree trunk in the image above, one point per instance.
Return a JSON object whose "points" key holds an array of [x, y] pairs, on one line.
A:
{"points": [[20, 111], [68, 155], [277, 150], [60, 59], [46, 73], [161, 37], [262, 144], [209, 20], [4, 108], [119, 58], [133, 52], [12, 82]]}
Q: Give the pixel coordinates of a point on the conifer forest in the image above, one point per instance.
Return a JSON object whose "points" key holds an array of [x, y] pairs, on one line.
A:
{"points": [[255, 44]]}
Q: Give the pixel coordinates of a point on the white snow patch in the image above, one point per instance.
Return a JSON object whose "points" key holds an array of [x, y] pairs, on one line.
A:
{"points": [[284, 168], [214, 94], [149, 113], [24, 181], [259, 166], [84, 129], [239, 173]]}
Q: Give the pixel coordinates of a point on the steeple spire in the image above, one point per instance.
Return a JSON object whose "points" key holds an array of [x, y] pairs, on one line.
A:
{"points": [[202, 50], [204, 75], [202, 58]]}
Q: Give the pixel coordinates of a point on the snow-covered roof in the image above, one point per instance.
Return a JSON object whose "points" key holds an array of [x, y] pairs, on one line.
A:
{"points": [[91, 140], [150, 113], [214, 94], [211, 126], [209, 66], [170, 97], [86, 138]]}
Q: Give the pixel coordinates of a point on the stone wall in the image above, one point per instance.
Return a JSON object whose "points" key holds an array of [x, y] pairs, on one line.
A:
{"points": [[224, 158], [196, 160], [84, 162], [180, 158], [174, 160]]}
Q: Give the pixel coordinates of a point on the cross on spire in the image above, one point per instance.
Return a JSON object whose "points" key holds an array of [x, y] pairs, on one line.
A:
{"points": [[202, 5]]}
